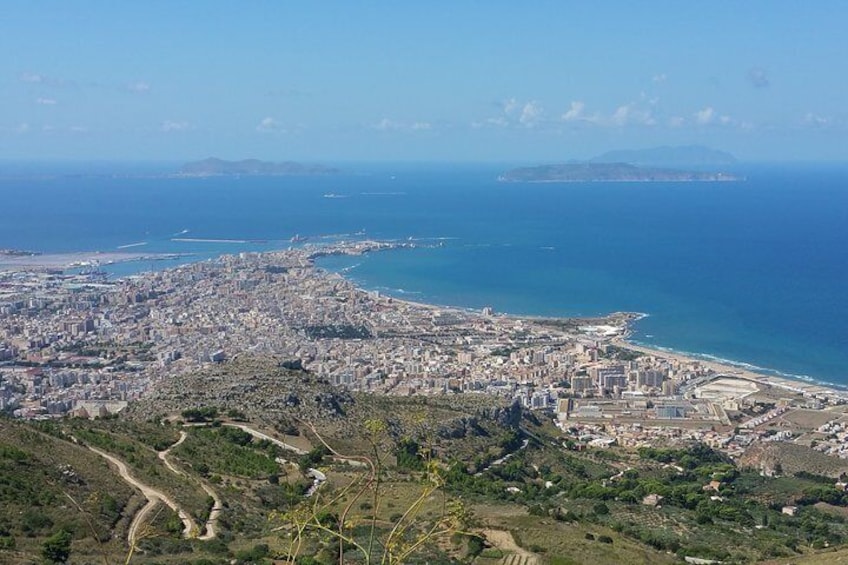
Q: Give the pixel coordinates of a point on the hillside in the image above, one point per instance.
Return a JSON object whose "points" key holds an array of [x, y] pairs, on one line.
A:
{"points": [[49, 484], [255, 459]]}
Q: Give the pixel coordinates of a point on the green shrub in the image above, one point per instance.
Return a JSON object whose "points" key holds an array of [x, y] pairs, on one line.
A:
{"points": [[476, 545], [57, 548]]}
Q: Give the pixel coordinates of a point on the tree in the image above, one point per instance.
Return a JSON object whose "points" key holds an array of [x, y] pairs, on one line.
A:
{"points": [[57, 548]]}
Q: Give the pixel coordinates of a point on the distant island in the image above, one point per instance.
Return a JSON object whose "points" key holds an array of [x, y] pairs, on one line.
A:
{"points": [[691, 163], [609, 172], [214, 167]]}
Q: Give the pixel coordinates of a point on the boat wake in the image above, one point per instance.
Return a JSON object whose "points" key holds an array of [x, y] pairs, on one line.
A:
{"points": [[397, 290], [346, 270], [205, 240]]}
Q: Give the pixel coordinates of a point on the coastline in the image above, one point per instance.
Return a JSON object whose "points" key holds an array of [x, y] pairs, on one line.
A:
{"points": [[622, 321], [625, 319], [735, 371]]}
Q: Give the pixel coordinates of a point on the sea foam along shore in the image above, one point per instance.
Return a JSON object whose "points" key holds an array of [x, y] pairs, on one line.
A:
{"points": [[794, 383], [625, 320], [798, 385]]}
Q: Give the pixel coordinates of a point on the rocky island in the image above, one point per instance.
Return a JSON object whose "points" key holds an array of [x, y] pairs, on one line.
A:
{"points": [[214, 167], [610, 172]]}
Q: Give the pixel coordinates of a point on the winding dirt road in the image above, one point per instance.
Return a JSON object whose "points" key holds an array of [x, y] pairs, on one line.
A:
{"points": [[153, 497], [217, 506], [318, 478], [260, 435]]}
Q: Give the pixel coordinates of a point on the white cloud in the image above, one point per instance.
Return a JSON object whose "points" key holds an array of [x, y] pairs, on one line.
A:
{"points": [[705, 116], [575, 112], [268, 125], [630, 114], [79, 129], [676, 121], [514, 113], [621, 115], [391, 125], [645, 118], [530, 113], [651, 101], [32, 78], [46, 101], [140, 87], [44, 80], [814, 120], [169, 126], [386, 125], [709, 116], [22, 128], [510, 105], [661, 77]]}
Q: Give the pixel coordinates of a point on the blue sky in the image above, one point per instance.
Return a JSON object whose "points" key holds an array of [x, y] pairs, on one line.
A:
{"points": [[441, 80]]}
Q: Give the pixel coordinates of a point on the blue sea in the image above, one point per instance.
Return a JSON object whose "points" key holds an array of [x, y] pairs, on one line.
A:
{"points": [[753, 272]]}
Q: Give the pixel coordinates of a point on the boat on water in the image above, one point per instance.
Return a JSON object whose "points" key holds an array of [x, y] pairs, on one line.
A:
{"points": [[297, 238]]}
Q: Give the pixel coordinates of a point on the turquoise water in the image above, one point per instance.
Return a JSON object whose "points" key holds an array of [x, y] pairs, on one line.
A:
{"points": [[752, 272]]}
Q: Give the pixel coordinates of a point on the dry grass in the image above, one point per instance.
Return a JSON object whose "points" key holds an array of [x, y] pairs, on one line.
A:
{"points": [[562, 542], [806, 419]]}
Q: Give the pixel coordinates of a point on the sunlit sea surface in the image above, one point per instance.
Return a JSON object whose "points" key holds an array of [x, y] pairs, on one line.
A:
{"points": [[754, 272]]}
